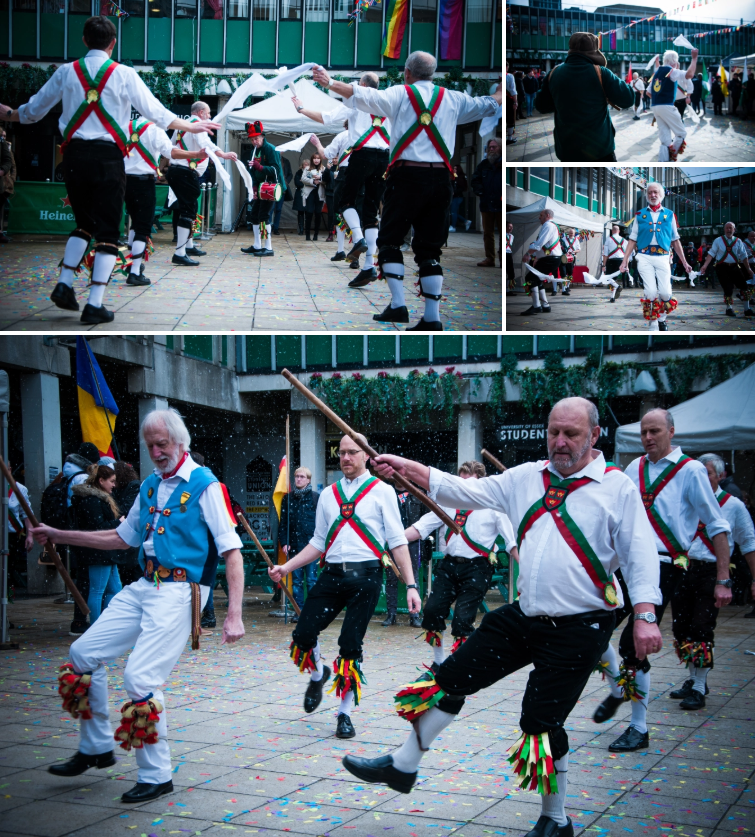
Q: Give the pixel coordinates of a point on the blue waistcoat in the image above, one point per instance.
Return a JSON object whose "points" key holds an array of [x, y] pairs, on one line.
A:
{"points": [[181, 538], [662, 229], [662, 89]]}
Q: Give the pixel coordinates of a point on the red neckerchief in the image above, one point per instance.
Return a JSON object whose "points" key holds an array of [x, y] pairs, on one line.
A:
{"points": [[655, 208], [175, 470]]}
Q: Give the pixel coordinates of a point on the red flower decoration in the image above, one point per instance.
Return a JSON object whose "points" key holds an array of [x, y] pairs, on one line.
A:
{"points": [[315, 376], [337, 376], [382, 374], [357, 376], [450, 369]]}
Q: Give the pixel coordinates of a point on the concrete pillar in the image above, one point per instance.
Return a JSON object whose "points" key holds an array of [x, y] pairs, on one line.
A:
{"points": [[470, 434], [146, 405], [547, 65], [623, 72], [649, 402], [312, 446], [40, 411]]}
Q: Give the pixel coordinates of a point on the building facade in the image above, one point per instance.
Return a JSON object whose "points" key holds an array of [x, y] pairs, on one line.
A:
{"points": [[703, 207]]}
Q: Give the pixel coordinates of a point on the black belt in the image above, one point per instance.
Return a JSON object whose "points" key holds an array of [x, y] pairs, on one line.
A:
{"points": [[355, 568], [576, 617], [141, 176], [463, 559], [107, 143]]}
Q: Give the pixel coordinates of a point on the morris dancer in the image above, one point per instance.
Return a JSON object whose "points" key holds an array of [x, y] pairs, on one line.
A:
{"points": [[266, 168], [548, 244], [749, 244], [181, 515], [663, 87], [732, 266], [613, 254], [98, 95], [677, 495], [463, 577], [570, 245], [571, 542], [510, 256], [357, 520], [705, 588], [338, 151], [654, 232], [183, 178], [419, 179]]}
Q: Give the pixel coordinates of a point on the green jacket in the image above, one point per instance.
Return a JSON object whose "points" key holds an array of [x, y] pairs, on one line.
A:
{"points": [[271, 164], [583, 130]]}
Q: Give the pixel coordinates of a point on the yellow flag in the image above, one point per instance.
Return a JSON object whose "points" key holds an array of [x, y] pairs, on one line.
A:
{"points": [[722, 76]]}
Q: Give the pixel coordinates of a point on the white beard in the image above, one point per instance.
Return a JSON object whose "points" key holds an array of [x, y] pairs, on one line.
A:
{"points": [[573, 459], [168, 466]]}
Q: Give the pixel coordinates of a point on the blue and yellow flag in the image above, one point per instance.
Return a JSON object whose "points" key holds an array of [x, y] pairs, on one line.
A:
{"points": [[97, 408]]}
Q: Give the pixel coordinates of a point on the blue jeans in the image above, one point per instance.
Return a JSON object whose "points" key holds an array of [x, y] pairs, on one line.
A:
{"points": [[455, 204], [277, 212], [311, 571], [530, 97], [103, 582]]}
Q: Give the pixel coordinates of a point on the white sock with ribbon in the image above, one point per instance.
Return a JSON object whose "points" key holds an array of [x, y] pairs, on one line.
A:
{"points": [[131, 235], [554, 804], [433, 285], [75, 249], [612, 670], [340, 238], [700, 676], [103, 267], [439, 653], [543, 298], [182, 236], [351, 216], [317, 675], [427, 729], [269, 240], [347, 703], [640, 707], [137, 252], [536, 298], [257, 238], [370, 236], [396, 285]]}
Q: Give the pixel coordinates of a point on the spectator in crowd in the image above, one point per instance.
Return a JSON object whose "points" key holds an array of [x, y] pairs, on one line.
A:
{"points": [[512, 100], [520, 96], [285, 194], [125, 493], [531, 86], [638, 85], [718, 97], [460, 189], [411, 510], [299, 206], [735, 91], [683, 98], [20, 539], [313, 195], [691, 254], [646, 96], [729, 486], [297, 526], [487, 184], [7, 179], [749, 95], [696, 98], [329, 182]]}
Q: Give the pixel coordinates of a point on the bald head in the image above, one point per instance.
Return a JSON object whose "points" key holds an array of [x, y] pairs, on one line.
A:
{"points": [[370, 80], [656, 433], [573, 430]]}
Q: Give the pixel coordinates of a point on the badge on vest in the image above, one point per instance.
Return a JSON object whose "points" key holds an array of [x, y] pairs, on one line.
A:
{"points": [[657, 85], [134, 137], [192, 164], [647, 500], [461, 519], [161, 530], [377, 122], [554, 497], [610, 595], [347, 510], [184, 498], [150, 492]]}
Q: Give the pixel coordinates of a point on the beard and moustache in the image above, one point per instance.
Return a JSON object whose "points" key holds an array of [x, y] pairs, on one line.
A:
{"points": [[166, 466], [573, 458]]}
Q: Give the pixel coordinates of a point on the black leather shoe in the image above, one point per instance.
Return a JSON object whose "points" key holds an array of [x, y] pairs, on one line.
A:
{"points": [[423, 325], [357, 250], [546, 827], [546, 309], [684, 691], [91, 315], [531, 310], [263, 252], [144, 791], [355, 264], [565, 293], [339, 256], [629, 741], [414, 620], [80, 762], [208, 618], [137, 279], [64, 297], [250, 249], [730, 312], [694, 700], [618, 292], [392, 315], [390, 619], [345, 728], [364, 277], [662, 325], [607, 709], [380, 771], [184, 260], [750, 615], [195, 251], [313, 695]]}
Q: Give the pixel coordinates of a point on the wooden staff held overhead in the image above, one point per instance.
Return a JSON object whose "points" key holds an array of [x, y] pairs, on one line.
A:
{"points": [[489, 456], [49, 546], [370, 451], [245, 523]]}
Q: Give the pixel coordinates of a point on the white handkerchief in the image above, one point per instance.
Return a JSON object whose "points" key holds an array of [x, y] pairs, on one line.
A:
{"points": [[247, 178], [681, 41], [543, 276], [651, 63], [295, 144]]}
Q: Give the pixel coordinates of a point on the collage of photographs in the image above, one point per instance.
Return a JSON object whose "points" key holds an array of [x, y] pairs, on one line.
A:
{"points": [[333, 500]]}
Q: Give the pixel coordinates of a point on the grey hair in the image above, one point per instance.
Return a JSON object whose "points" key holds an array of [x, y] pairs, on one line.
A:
{"points": [[197, 106], [550, 213], [370, 80], [659, 186], [671, 56], [719, 466], [421, 65], [593, 417], [173, 423], [667, 414]]}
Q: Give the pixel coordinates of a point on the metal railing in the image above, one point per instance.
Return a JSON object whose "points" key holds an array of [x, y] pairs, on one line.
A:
{"points": [[205, 202]]}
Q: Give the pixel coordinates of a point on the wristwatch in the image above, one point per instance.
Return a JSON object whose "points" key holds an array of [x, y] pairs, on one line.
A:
{"points": [[412, 587], [300, 108], [646, 617], [725, 582]]}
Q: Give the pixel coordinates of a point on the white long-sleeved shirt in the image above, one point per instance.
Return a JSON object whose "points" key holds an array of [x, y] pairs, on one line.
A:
{"points": [[654, 215], [608, 511], [211, 504], [686, 499], [511, 85], [455, 109], [742, 531], [14, 507], [718, 249], [123, 90], [570, 247], [547, 235], [378, 510], [359, 123], [509, 242], [612, 243], [194, 142], [337, 147], [750, 249], [157, 143], [483, 527]]}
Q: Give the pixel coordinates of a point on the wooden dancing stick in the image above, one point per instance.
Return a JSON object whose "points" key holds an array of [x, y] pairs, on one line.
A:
{"points": [[489, 456], [49, 546], [245, 523], [371, 452]]}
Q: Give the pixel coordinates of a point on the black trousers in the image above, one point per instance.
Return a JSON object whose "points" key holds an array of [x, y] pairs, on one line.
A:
{"points": [[335, 590], [509, 267], [308, 216], [140, 205], [693, 605], [567, 269], [564, 651], [330, 203], [612, 265], [261, 211], [466, 584], [95, 178], [81, 568], [365, 171], [391, 581], [547, 265], [185, 184], [731, 276], [419, 198]]}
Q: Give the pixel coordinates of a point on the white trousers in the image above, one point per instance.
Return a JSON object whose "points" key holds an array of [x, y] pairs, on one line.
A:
{"points": [[670, 125], [656, 276], [157, 623]]}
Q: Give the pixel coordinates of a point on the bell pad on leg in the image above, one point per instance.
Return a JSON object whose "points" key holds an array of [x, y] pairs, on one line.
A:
{"points": [[74, 689], [139, 723], [414, 699]]}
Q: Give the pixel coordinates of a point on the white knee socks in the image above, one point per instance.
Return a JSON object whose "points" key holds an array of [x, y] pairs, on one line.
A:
{"points": [[131, 235], [340, 238], [370, 236], [396, 285], [700, 676], [182, 235], [428, 727], [536, 298], [257, 238], [137, 251], [439, 653], [432, 285], [640, 707], [103, 267], [543, 298], [612, 670], [554, 283], [317, 675], [347, 703], [75, 249], [351, 216], [553, 804]]}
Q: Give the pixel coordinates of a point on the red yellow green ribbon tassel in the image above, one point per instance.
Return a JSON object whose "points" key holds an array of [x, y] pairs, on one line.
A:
{"points": [[344, 227], [460, 640], [196, 226], [627, 680], [432, 638], [122, 262], [531, 759], [601, 669], [304, 660], [414, 699], [700, 654], [681, 561], [348, 675], [138, 723], [74, 689]]}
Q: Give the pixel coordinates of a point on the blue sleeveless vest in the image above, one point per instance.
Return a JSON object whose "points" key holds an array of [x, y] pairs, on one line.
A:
{"points": [[662, 229], [662, 89]]}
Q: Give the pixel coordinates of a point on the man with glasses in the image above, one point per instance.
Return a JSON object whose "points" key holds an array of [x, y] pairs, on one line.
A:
{"points": [[297, 525]]}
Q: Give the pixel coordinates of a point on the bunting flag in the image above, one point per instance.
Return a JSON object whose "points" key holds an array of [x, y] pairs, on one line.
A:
{"points": [[613, 40], [395, 26], [450, 26], [723, 77], [97, 407], [629, 74], [706, 79]]}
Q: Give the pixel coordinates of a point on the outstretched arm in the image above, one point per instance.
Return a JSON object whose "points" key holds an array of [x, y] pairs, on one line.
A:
{"points": [[105, 539], [386, 465], [310, 114]]}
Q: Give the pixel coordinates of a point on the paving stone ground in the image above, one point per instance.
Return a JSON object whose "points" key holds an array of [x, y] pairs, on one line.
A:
{"points": [[247, 759], [720, 139], [299, 289]]}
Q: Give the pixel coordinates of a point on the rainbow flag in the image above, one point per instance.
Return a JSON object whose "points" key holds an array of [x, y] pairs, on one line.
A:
{"points": [[395, 26], [97, 407], [451, 24]]}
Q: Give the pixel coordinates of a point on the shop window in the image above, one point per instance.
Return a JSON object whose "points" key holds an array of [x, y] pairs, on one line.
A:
{"points": [[290, 10], [287, 352], [198, 346], [316, 11], [258, 354], [319, 352], [381, 349], [350, 350], [415, 348], [423, 11], [263, 9]]}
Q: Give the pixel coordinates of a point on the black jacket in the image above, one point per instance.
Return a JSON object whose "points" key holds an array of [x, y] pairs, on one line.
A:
{"points": [[125, 498], [297, 529], [530, 84], [92, 513], [410, 508], [487, 184], [298, 201]]}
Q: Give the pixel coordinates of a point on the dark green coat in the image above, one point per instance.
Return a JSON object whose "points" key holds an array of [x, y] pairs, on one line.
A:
{"points": [[271, 163], [583, 130]]}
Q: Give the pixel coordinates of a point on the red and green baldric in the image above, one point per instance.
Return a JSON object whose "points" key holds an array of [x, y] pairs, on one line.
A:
{"points": [[462, 515], [425, 122], [92, 104], [135, 131], [649, 492], [375, 128], [180, 141], [702, 531], [349, 516], [554, 502], [12, 519]]}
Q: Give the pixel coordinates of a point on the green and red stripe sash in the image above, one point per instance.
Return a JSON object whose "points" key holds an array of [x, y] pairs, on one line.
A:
{"points": [[12, 519], [649, 492], [702, 531], [180, 141], [729, 250], [345, 155], [135, 131], [93, 88], [554, 503], [375, 128], [462, 515], [425, 122], [619, 247], [348, 516]]}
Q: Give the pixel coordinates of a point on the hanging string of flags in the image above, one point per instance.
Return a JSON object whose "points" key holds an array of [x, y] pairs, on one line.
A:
{"points": [[612, 32], [720, 31], [359, 7], [111, 9]]}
